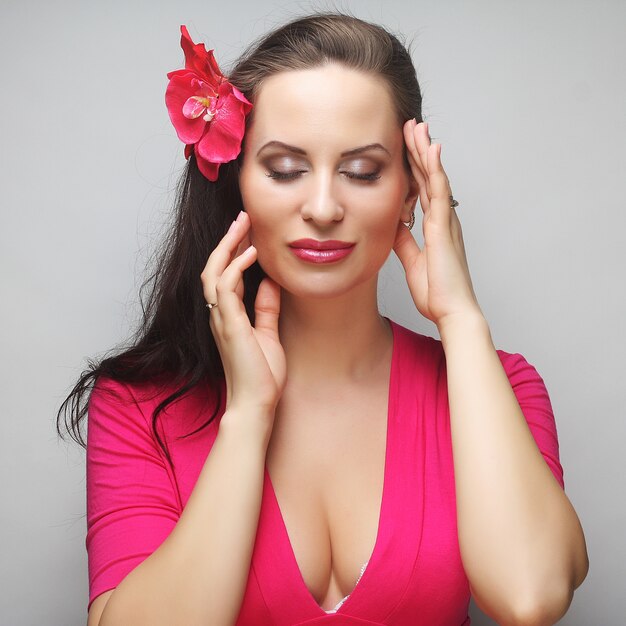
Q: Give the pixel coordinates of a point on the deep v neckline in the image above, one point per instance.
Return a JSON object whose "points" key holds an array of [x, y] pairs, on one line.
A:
{"points": [[360, 587]]}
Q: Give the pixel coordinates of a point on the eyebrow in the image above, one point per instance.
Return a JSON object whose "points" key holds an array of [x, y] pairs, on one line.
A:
{"points": [[296, 150]]}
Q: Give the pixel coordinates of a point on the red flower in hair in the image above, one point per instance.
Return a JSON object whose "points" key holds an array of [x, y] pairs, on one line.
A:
{"points": [[208, 112]]}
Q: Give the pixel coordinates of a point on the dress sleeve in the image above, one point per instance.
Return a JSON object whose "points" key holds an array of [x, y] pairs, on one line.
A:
{"points": [[532, 396], [132, 504]]}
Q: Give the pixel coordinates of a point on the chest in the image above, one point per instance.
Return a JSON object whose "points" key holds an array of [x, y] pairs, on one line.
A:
{"points": [[326, 460]]}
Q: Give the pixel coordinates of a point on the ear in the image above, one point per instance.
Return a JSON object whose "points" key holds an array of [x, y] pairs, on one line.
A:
{"points": [[410, 200]]}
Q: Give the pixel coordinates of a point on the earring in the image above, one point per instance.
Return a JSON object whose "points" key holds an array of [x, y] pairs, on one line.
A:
{"points": [[411, 221]]}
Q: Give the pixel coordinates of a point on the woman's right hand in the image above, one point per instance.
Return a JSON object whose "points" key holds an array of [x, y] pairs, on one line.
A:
{"points": [[253, 358]]}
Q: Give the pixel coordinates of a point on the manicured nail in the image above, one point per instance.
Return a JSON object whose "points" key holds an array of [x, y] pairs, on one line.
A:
{"points": [[239, 216]]}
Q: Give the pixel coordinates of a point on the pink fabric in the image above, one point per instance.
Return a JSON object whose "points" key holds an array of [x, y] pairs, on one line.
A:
{"points": [[415, 574]]}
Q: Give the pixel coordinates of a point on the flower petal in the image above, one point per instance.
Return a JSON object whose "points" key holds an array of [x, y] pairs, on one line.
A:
{"points": [[192, 108], [247, 105], [198, 59], [222, 140], [208, 112], [178, 92], [208, 170]]}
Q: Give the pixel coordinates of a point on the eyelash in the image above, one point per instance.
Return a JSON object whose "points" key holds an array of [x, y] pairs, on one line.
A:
{"points": [[291, 175], [283, 175]]}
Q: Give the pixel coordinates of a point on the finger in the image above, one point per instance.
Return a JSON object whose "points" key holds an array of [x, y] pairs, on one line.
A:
{"points": [[229, 302], [414, 162], [439, 187], [421, 184], [267, 306], [409, 137], [457, 232], [406, 247], [226, 250], [241, 248], [245, 243], [422, 141], [420, 133]]}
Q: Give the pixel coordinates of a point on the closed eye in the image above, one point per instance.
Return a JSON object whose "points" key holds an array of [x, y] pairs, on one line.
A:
{"points": [[284, 175], [370, 176]]}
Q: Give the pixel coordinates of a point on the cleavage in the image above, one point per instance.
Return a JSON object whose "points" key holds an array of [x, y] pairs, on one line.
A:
{"points": [[329, 492]]}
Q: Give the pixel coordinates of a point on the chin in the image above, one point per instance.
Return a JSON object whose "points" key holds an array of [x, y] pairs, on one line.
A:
{"points": [[323, 292], [318, 284]]}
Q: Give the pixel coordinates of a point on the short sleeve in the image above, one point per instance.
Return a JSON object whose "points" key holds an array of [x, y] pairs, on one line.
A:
{"points": [[533, 398], [132, 504]]}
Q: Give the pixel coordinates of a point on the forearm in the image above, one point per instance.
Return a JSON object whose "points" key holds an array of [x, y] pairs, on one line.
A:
{"points": [[199, 574], [521, 542]]}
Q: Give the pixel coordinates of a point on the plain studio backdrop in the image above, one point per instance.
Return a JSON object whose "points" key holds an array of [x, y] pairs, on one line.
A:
{"points": [[528, 101]]}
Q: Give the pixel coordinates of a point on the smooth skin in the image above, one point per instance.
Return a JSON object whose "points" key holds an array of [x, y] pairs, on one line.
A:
{"points": [[521, 542]]}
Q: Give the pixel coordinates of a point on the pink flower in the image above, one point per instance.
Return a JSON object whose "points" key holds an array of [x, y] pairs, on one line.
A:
{"points": [[208, 112]]}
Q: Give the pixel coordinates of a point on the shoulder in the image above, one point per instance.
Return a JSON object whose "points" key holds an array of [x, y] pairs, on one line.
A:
{"points": [[425, 350], [423, 358], [518, 368], [135, 404]]}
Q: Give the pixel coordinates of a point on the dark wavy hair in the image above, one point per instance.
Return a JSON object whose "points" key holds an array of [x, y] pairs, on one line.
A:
{"points": [[174, 343]]}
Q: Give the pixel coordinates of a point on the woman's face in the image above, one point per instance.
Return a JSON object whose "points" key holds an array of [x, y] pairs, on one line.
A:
{"points": [[323, 163]]}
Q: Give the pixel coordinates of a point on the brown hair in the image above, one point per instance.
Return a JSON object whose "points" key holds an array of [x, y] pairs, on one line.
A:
{"points": [[324, 38], [174, 343]]}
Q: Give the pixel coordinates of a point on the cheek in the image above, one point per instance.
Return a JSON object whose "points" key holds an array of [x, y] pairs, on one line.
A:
{"points": [[385, 207], [257, 203], [266, 209]]}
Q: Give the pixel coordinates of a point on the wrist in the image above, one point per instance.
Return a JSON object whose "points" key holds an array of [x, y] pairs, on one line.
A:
{"points": [[250, 426], [462, 326]]}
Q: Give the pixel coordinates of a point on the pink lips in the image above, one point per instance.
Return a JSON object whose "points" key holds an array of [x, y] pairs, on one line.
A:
{"points": [[315, 251]]}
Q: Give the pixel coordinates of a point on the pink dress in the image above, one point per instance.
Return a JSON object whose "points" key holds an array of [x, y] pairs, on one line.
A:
{"points": [[414, 574]]}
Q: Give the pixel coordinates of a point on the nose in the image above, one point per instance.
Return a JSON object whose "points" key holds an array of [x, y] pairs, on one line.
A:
{"points": [[321, 204]]}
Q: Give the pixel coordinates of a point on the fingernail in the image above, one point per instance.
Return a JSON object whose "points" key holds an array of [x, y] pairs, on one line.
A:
{"points": [[230, 228], [239, 216]]}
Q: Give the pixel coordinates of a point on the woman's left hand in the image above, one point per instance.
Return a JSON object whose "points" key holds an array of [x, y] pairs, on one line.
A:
{"points": [[438, 275]]}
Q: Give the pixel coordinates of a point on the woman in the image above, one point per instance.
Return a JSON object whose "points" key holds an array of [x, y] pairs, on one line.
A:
{"points": [[349, 470]]}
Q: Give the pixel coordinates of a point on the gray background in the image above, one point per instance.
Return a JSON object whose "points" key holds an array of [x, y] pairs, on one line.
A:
{"points": [[528, 100]]}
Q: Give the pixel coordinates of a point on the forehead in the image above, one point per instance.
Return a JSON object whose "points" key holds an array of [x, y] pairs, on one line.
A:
{"points": [[329, 105]]}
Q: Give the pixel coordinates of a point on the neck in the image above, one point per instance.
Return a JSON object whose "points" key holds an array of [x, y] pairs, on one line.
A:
{"points": [[334, 340]]}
